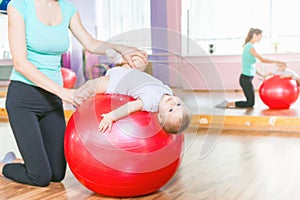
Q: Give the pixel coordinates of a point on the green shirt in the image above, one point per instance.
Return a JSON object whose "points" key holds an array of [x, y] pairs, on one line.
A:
{"points": [[44, 43], [248, 61]]}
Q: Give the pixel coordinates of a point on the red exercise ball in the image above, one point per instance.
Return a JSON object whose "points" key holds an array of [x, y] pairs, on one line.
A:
{"points": [[136, 158], [279, 93], [69, 77]]}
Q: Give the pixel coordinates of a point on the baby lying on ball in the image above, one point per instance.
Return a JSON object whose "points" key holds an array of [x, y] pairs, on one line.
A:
{"points": [[150, 95]]}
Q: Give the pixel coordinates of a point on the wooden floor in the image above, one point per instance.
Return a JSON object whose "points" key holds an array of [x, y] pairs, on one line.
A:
{"points": [[205, 115], [244, 154], [217, 164]]}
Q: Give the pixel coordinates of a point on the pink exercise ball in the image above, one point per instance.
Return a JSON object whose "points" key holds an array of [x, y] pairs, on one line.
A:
{"points": [[136, 158], [279, 93]]}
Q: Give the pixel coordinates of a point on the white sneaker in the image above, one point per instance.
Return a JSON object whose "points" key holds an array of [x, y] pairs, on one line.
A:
{"points": [[223, 104], [8, 158]]}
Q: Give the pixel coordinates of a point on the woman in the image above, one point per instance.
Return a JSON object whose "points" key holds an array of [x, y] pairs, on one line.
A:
{"points": [[38, 35], [249, 58]]}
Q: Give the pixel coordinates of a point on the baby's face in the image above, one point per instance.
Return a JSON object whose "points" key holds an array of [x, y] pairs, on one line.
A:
{"points": [[170, 108]]}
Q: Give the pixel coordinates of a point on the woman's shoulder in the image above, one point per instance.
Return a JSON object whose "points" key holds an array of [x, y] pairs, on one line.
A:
{"points": [[249, 45], [21, 2], [21, 5], [67, 3], [68, 6]]}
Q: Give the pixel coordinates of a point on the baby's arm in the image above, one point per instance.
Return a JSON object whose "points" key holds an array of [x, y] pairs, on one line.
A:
{"points": [[291, 76], [288, 73], [124, 110]]}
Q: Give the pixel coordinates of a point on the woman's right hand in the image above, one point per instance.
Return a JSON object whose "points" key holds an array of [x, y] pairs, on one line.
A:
{"points": [[84, 92], [67, 95]]}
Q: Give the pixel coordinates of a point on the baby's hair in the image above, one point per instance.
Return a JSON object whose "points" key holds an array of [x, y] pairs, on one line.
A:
{"points": [[180, 125]]}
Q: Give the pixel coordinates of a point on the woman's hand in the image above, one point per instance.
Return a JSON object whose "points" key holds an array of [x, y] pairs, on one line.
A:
{"points": [[67, 95], [106, 122], [83, 93], [128, 53], [281, 66]]}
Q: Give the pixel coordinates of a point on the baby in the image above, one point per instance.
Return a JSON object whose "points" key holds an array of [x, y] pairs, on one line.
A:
{"points": [[150, 95], [287, 73], [283, 73]]}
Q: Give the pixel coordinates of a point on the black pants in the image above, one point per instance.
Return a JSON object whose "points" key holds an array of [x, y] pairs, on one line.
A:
{"points": [[248, 89], [37, 120]]}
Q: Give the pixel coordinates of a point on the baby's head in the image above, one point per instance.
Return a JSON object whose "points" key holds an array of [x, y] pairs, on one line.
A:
{"points": [[173, 115]]}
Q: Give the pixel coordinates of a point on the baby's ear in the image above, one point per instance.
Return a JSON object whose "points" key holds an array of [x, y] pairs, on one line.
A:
{"points": [[160, 118]]}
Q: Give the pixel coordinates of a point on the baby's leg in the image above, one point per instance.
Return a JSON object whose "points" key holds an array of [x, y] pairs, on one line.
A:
{"points": [[99, 85], [90, 88], [95, 86]]}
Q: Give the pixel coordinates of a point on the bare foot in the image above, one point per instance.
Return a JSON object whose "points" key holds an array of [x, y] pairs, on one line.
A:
{"points": [[18, 160], [1, 169], [230, 105]]}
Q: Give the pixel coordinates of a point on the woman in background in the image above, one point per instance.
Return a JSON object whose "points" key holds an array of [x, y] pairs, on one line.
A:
{"points": [[249, 59]]}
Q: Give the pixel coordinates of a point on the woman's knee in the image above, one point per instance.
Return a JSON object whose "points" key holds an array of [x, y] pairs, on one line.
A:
{"points": [[43, 179], [59, 176], [251, 104]]}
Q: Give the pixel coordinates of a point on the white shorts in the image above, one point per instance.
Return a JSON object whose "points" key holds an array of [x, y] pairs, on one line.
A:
{"points": [[115, 76]]}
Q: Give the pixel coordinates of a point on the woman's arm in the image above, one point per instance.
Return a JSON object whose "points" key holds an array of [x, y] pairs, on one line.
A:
{"points": [[264, 60], [17, 42], [97, 46], [262, 76], [127, 109]]}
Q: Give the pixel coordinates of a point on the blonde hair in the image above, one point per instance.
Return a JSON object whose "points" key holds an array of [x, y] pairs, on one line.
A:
{"points": [[179, 125]]}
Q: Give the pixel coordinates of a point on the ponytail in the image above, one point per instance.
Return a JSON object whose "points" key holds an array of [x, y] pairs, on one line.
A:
{"points": [[250, 34]]}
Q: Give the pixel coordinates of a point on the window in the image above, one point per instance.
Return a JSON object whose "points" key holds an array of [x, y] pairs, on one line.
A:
{"points": [[225, 24], [117, 20], [4, 47]]}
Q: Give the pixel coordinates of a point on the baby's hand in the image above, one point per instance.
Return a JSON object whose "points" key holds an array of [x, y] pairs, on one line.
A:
{"points": [[106, 122], [286, 76]]}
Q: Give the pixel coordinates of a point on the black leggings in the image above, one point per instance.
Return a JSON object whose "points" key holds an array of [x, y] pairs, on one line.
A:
{"points": [[248, 89], [37, 120]]}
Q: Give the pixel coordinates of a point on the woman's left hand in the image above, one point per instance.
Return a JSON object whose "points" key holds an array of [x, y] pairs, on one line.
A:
{"points": [[129, 52], [281, 65]]}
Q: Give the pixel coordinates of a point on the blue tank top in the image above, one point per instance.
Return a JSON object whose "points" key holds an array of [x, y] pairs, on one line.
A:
{"points": [[44, 43], [248, 61]]}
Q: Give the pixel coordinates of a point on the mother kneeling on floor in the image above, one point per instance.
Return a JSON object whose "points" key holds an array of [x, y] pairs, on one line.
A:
{"points": [[38, 35]]}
